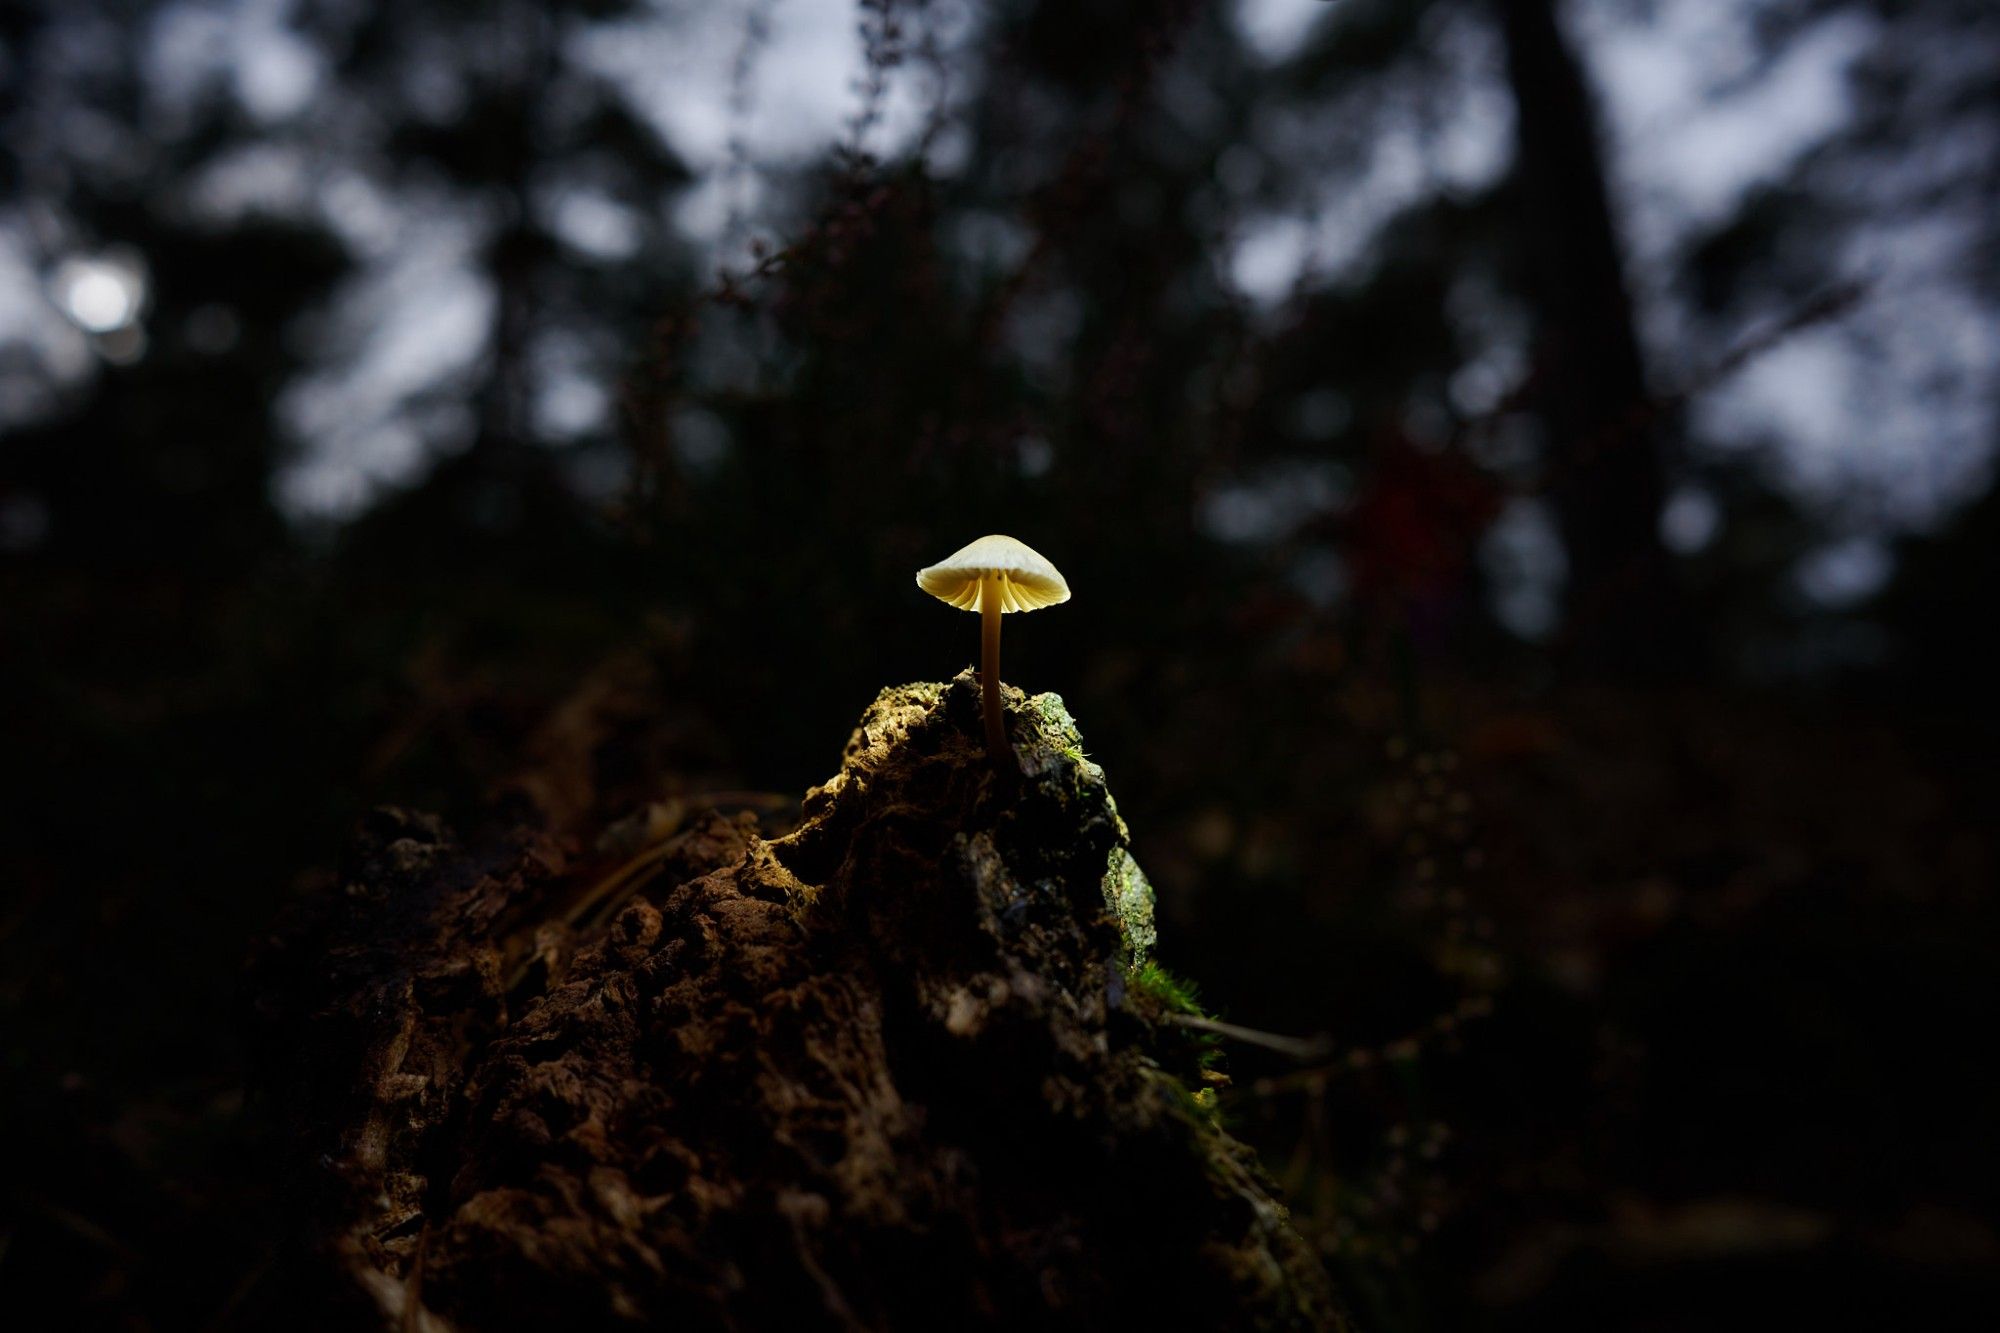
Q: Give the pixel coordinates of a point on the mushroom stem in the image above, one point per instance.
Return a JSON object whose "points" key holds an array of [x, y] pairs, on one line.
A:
{"points": [[989, 663]]}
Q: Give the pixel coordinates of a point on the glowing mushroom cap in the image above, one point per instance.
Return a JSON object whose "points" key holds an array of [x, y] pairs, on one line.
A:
{"points": [[1026, 579]]}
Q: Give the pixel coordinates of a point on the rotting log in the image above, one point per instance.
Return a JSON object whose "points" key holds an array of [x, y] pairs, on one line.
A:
{"points": [[895, 1069]]}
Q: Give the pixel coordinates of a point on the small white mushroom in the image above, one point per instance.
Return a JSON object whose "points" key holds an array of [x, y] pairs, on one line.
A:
{"points": [[994, 576]]}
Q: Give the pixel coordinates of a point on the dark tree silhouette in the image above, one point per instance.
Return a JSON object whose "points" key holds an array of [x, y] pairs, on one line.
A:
{"points": [[1624, 608]]}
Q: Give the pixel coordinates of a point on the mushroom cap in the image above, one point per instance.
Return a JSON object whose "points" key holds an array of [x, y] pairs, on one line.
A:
{"points": [[1028, 582]]}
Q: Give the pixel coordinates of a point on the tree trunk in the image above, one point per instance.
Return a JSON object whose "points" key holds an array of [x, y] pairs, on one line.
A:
{"points": [[897, 1069], [1624, 611]]}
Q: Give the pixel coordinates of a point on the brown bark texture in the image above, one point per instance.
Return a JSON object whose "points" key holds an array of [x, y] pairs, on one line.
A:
{"points": [[899, 1068]]}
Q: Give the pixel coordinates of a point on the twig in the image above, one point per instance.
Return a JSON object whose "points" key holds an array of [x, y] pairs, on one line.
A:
{"points": [[1305, 1050]]}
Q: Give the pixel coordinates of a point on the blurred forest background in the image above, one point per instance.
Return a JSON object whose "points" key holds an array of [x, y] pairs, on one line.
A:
{"points": [[1526, 471]]}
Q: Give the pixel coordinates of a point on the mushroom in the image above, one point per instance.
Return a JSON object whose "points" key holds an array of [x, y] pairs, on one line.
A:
{"points": [[993, 576]]}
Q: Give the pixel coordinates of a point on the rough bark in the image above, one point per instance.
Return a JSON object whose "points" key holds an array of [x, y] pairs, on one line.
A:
{"points": [[897, 1069]]}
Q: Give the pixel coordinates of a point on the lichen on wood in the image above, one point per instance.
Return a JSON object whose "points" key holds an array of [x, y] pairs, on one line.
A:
{"points": [[889, 1070]]}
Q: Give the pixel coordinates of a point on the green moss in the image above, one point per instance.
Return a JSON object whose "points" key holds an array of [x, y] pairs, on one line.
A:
{"points": [[1055, 757], [1173, 993], [1177, 995], [1129, 894], [1057, 727], [922, 693]]}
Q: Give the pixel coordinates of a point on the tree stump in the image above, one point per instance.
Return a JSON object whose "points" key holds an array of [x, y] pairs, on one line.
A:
{"points": [[900, 1068]]}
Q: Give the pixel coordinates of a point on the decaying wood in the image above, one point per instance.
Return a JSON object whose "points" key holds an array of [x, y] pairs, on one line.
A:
{"points": [[890, 1070]]}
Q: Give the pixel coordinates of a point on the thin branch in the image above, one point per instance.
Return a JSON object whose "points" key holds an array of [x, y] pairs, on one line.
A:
{"points": [[1305, 1050]]}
